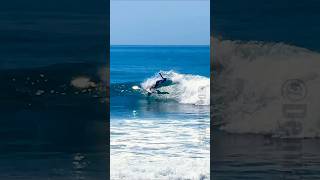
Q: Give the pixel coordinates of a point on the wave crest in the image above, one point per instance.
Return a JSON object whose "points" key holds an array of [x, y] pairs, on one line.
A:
{"points": [[187, 88]]}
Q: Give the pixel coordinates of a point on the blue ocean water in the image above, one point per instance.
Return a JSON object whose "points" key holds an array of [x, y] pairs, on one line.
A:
{"points": [[136, 63], [161, 136]]}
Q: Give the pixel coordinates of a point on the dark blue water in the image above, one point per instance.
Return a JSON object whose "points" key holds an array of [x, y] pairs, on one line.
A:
{"points": [[49, 127], [292, 22], [168, 135], [33, 39]]}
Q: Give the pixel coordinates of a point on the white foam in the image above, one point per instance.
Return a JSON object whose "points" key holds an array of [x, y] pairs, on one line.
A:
{"points": [[251, 83], [188, 89], [40, 92], [135, 87], [160, 149], [82, 82]]}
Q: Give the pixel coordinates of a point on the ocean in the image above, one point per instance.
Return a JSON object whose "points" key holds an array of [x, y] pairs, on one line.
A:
{"points": [[164, 136], [53, 118], [265, 94]]}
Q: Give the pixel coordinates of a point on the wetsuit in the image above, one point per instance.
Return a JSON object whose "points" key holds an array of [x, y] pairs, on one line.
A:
{"points": [[160, 83]]}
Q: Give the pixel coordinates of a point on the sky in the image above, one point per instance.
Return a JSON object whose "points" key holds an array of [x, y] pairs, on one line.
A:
{"points": [[160, 22]]}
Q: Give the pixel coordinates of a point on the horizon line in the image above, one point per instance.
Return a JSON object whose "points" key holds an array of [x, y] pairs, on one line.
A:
{"points": [[159, 44]]}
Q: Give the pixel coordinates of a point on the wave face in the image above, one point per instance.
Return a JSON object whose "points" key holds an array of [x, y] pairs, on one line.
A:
{"points": [[267, 88], [187, 88]]}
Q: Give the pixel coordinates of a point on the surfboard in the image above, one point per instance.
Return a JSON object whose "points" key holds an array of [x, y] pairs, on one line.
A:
{"points": [[138, 88]]}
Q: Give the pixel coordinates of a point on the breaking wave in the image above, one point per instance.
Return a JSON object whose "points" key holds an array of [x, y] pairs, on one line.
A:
{"points": [[186, 88], [266, 88]]}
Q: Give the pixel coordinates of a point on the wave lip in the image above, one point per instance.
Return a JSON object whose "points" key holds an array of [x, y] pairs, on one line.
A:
{"points": [[187, 88]]}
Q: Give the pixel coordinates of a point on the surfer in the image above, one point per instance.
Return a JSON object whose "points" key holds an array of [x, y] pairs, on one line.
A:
{"points": [[160, 83]]}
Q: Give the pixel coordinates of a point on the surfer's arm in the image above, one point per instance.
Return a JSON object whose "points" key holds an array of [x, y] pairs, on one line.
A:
{"points": [[161, 75]]}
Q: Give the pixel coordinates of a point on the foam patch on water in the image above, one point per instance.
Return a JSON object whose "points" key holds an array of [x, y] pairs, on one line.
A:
{"points": [[254, 86], [187, 88], [160, 149], [82, 83], [135, 87], [157, 168]]}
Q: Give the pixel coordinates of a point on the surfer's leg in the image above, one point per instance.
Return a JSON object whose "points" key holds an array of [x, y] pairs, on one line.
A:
{"points": [[159, 92]]}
